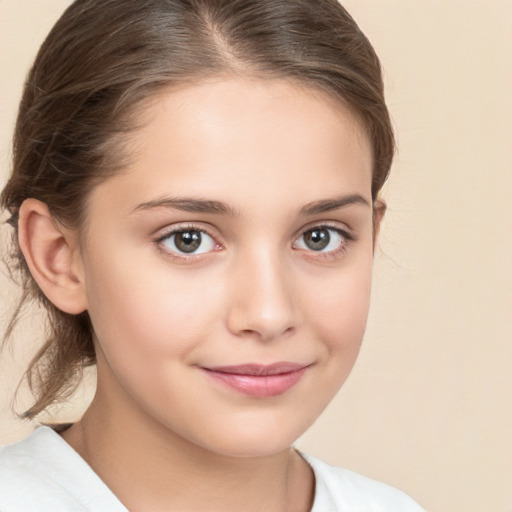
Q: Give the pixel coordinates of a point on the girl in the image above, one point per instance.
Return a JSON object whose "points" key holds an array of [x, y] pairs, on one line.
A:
{"points": [[195, 202]]}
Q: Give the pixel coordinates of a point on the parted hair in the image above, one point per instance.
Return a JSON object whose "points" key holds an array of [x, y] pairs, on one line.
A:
{"points": [[103, 59]]}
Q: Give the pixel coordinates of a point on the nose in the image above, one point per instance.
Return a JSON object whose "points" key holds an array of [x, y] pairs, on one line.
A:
{"points": [[262, 299]]}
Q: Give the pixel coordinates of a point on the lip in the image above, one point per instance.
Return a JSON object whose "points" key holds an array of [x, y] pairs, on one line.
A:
{"points": [[256, 380]]}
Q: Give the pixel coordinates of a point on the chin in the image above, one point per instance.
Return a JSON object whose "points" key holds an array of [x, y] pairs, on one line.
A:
{"points": [[253, 447], [259, 437]]}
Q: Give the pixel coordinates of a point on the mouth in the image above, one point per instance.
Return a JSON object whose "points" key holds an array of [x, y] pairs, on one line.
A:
{"points": [[260, 381]]}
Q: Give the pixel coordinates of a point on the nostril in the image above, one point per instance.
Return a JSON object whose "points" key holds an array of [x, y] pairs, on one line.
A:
{"points": [[266, 334]]}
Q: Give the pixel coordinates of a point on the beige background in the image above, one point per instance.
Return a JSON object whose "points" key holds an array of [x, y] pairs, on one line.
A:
{"points": [[428, 406]]}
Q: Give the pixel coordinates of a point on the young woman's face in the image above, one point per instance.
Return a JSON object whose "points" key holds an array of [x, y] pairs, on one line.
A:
{"points": [[228, 268]]}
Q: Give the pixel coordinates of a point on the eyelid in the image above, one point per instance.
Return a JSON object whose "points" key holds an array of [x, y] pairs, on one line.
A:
{"points": [[169, 231], [178, 227], [334, 225], [348, 236], [165, 233]]}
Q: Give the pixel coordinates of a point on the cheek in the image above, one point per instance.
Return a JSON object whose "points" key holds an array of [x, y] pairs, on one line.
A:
{"points": [[146, 312], [338, 316], [340, 308]]}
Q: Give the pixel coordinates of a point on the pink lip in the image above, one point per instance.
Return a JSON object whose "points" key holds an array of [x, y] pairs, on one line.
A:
{"points": [[259, 380]]}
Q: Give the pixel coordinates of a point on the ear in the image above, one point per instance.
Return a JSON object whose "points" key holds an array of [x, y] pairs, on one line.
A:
{"points": [[53, 257], [379, 210]]}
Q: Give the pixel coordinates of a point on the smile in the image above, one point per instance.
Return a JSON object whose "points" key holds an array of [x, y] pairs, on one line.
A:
{"points": [[259, 381]]}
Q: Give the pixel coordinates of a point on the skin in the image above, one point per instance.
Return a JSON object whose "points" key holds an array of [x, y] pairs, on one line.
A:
{"points": [[255, 293]]}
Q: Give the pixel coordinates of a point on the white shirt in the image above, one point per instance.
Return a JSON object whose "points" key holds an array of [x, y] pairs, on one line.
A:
{"points": [[42, 473]]}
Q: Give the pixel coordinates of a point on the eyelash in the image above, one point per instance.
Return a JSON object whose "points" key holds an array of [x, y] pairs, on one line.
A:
{"points": [[346, 236], [183, 257], [347, 239]]}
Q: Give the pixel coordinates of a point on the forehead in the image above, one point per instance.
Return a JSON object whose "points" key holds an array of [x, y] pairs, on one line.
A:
{"points": [[243, 138]]}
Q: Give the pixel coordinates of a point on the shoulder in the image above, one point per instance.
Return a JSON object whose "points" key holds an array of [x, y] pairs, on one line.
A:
{"points": [[339, 489], [43, 473]]}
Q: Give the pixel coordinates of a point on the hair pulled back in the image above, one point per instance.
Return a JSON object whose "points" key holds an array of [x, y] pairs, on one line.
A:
{"points": [[98, 64]]}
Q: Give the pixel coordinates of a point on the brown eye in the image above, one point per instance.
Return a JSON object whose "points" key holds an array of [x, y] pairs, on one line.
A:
{"points": [[317, 239], [323, 239], [189, 241]]}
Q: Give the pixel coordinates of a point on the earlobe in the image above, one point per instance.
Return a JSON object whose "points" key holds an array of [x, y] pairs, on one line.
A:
{"points": [[379, 210], [52, 256]]}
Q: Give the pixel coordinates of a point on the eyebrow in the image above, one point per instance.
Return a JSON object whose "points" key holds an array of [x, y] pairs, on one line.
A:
{"points": [[329, 205], [195, 205], [186, 204]]}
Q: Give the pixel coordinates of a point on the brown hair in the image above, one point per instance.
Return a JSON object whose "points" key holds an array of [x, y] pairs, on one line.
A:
{"points": [[104, 57]]}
